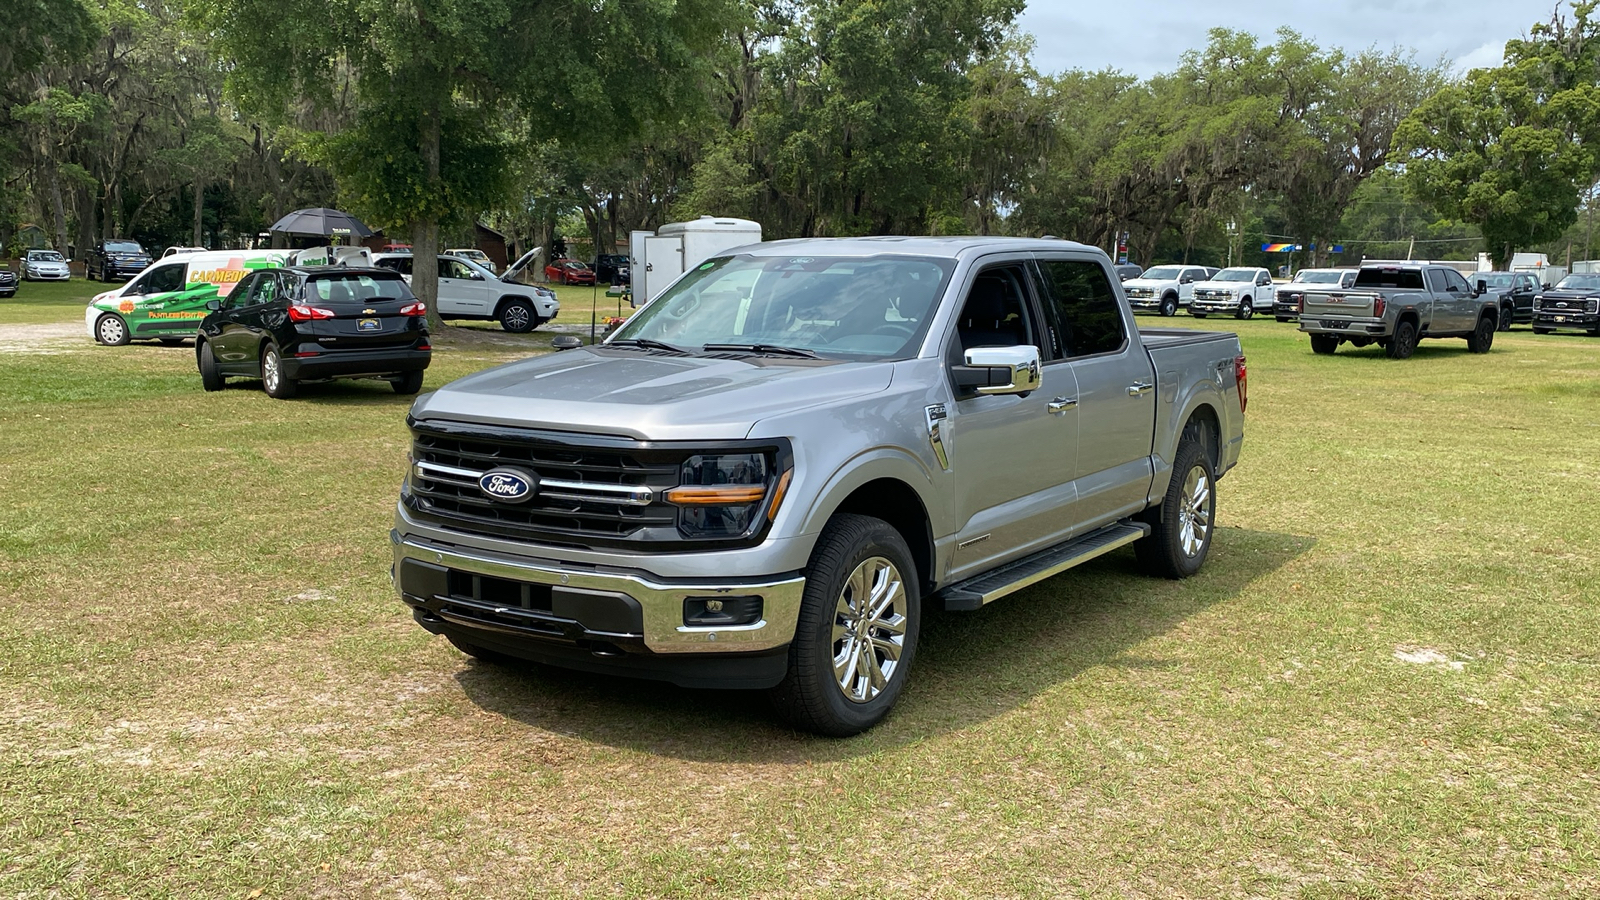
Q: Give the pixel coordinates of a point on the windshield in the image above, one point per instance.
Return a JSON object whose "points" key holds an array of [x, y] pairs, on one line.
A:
{"points": [[1307, 277], [1496, 279], [1235, 275], [1580, 283], [123, 247], [859, 307], [1162, 273], [44, 256], [356, 288]]}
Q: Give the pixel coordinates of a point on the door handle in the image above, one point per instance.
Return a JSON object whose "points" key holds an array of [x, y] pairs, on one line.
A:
{"points": [[1140, 388], [1062, 404]]}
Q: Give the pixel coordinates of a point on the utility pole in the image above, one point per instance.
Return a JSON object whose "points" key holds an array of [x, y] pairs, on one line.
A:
{"points": [[1410, 248]]}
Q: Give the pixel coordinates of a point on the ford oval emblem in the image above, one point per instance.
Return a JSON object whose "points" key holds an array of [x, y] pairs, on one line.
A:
{"points": [[508, 485]]}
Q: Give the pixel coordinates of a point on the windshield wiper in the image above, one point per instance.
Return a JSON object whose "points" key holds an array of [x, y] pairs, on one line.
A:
{"points": [[646, 344], [769, 349]]}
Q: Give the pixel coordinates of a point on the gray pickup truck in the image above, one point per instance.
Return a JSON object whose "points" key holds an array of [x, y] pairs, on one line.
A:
{"points": [[1394, 306], [766, 474]]}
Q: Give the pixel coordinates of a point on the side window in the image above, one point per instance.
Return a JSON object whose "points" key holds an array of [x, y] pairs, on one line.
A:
{"points": [[1436, 282], [1455, 281], [1081, 308], [996, 312], [160, 280], [1263, 279], [240, 295], [449, 268]]}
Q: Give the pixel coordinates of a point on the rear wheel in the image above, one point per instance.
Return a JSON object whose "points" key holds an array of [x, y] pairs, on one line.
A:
{"points": [[1180, 535], [210, 378], [1404, 340], [1482, 337], [1324, 344], [111, 330], [1169, 305], [857, 631], [407, 383], [277, 385], [518, 317]]}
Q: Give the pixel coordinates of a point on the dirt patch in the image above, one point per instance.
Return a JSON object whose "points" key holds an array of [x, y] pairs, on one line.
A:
{"points": [[55, 337]]}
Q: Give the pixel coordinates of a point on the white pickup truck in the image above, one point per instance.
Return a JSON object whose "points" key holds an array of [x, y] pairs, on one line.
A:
{"points": [[1240, 290], [1164, 289]]}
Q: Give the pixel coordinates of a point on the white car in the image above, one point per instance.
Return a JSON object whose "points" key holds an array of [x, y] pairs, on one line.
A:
{"points": [[469, 291], [45, 265], [1240, 290], [473, 255], [1164, 289]]}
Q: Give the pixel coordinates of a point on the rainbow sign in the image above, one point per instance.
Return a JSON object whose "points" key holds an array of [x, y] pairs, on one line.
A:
{"points": [[1279, 248]]}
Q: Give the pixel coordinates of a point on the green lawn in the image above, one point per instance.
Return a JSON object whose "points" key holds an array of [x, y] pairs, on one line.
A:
{"points": [[38, 302], [1386, 683]]}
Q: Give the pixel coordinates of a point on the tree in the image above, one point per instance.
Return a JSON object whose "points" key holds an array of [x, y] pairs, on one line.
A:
{"points": [[442, 92], [1510, 149]]}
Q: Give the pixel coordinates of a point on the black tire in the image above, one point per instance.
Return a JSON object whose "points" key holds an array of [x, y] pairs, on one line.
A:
{"points": [[1482, 337], [210, 378], [812, 696], [1247, 309], [407, 382], [1404, 340], [277, 385], [112, 330], [1169, 305], [1324, 344], [1282, 318], [105, 276], [171, 342], [1538, 330], [518, 316], [1507, 316], [1182, 527]]}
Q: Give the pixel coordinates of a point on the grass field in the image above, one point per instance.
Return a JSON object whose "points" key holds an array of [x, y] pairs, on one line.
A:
{"points": [[1386, 683]]}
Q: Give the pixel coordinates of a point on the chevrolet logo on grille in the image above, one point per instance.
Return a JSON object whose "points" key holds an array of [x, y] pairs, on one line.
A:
{"points": [[368, 312]]}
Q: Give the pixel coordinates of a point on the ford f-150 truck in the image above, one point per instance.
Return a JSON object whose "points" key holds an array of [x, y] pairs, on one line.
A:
{"points": [[1395, 305], [763, 478], [1573, 303]]}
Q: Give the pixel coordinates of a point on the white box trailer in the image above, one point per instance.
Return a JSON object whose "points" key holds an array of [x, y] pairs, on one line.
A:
{"points": [[660, 256]]}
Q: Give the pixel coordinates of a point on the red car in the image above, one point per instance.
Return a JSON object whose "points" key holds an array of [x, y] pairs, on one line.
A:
{"points": [[568, 271]]}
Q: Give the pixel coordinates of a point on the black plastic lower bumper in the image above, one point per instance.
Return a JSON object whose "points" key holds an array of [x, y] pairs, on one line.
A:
{"points": [[355, 364], [1584, 321]]}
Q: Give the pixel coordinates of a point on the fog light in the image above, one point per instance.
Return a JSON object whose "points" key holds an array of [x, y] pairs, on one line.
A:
{"points": [[721, 612]]}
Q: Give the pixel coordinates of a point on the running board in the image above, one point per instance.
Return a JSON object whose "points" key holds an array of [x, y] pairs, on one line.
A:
{"points": [[1014, 576]]}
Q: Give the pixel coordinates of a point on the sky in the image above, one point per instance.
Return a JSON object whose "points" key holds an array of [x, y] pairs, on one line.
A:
{"points": [[1144, 37]]}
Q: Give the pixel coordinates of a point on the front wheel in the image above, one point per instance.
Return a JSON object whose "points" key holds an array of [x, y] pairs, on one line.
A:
{"points": [[857, 631], [1324, 344], [277, 385], [1169, 306], [111, 330], [1247, 308], [210, 378], [1507, 315], [1404, 340], [518, 317], [1482, 337], [1181, 527]]}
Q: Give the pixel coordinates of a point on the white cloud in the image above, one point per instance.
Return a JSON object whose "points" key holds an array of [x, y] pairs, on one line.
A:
{"points": [[1488, 56]]}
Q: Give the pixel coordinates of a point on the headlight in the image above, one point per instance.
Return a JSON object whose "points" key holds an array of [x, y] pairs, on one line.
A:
{"points": [[721, 495], [1537, 298], [1594, 306]]}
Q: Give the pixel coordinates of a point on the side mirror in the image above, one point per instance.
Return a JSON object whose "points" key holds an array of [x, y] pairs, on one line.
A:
{"points": [[1483, 286], [1548, 286], [1001, 370], [566, 342], [1187, 279], [214, 305]]}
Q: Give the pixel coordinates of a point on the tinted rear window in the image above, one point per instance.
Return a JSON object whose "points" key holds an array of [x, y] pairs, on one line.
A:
{"points": [[1404, 279], [357, 288]]}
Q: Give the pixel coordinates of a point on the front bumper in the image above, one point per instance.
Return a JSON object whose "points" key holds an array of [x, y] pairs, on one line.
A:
{"points": [[34, 275], [1197, 305], [1566, 319], [355, 363], [124, 269], [619, 620], [1286, 310]]}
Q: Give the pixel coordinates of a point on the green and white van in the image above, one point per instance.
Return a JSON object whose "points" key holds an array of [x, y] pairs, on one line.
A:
{"points": [[168, 299]]}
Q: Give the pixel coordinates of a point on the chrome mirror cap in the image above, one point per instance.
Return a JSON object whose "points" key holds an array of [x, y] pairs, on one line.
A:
{"points": [[1020, 370]]}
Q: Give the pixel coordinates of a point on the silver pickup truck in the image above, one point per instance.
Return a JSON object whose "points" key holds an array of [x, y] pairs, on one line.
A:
{"points": [[1396, 305], [766, 474]]}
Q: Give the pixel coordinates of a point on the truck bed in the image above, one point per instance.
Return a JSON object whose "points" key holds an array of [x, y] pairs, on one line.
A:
{"points": [[1162, 338]]}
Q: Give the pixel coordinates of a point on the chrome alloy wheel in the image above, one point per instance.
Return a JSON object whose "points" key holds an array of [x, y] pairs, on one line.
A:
{"points": [[271, 370], [515, 318], [1194, 516], [869, 629]]}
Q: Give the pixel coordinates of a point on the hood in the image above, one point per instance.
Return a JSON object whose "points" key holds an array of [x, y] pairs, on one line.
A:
{"points": [[1222, 285], [1149, 282], [1569, 294], [648, 397]]}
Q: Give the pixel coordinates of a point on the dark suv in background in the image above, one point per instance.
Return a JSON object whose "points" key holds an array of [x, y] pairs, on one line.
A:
{"points": [[112, 259], [1514, 290], [315, 323], [611, 268]]}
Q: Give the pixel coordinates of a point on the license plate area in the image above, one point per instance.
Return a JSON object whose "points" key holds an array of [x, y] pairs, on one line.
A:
{"points": [[1333, 323], [369, 325]]}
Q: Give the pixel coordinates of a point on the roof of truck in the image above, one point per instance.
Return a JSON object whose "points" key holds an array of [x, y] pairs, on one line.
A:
{"points": [[949, 247]]}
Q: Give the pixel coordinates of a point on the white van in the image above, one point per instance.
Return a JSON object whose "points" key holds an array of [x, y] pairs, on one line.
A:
{"points": [[167, 300]]}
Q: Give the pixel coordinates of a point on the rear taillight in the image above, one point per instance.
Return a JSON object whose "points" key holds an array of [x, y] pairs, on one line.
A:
{"points": [[1302, 304], [424, 346], [1378, 303], [299, 313], [1243, 375], [414, 309]]}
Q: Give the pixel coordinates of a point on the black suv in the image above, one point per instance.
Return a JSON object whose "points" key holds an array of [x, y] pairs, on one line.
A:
{"points": [[315, 323], [108, 260], [611, 268]]}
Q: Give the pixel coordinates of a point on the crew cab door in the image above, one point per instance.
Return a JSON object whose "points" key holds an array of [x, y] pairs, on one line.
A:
{"points": [[1186, 283], [462, 292], [1012, 457], [1463, 304], [1116, 383], [234, 334], [1265, 293]]}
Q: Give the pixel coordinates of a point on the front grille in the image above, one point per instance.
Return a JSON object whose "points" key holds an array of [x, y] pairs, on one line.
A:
{"points": [[586, 492], [1141, 292]]}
